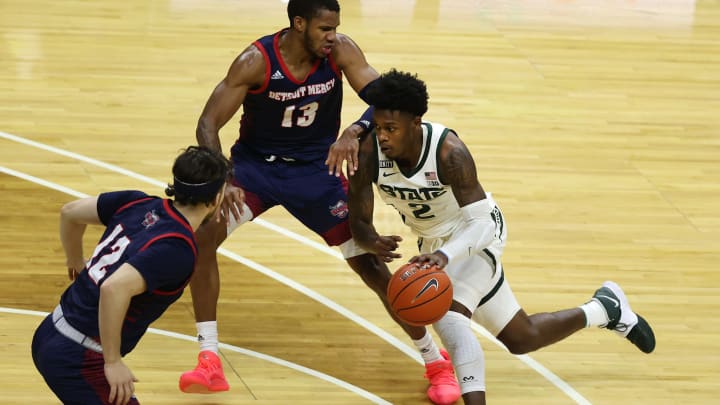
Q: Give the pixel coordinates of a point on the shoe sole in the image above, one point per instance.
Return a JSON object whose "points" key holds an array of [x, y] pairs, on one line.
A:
{"points": [[193, 387], [201, 389], [642, 336]]}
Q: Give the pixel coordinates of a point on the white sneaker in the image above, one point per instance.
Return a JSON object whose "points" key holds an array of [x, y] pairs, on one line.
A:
{"points": [[625, 322]]}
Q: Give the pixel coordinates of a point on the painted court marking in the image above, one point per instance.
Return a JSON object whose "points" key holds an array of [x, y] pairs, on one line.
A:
{"points": [[526, 359], [250, 353]]}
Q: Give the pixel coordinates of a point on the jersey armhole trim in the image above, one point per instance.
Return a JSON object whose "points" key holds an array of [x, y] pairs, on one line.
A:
{"points": [[376, 157], [444, 134], [334, 66], [266, 81], [131, 203]]}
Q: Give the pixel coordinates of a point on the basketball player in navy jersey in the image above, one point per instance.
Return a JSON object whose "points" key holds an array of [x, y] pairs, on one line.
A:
{"points": [[427, 174], [139, 268], [290, 87]]}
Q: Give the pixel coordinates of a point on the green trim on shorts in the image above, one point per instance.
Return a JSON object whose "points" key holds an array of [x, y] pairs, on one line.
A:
{"points": [[494, 290]]}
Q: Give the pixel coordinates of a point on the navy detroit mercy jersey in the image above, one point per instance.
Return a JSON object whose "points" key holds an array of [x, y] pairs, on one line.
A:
{"points": [[292, 117], [152, 236]]}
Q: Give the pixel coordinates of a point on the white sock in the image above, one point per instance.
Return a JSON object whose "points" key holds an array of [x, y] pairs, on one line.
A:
{"points": [[595, 314], [207, 335], [428, 349]]}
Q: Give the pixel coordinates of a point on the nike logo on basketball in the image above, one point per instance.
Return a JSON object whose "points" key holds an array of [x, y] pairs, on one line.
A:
{"points": [[617, 304], [431, 283], [389, 174]]}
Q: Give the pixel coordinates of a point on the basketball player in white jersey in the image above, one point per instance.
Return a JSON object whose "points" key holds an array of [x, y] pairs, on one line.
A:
{"points": [[427, 174]]}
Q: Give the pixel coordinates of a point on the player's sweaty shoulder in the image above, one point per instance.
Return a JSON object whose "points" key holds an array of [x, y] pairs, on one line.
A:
{"points": [[248, 68]]}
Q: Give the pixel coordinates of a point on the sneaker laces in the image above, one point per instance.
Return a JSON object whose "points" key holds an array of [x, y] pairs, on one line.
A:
{"points": [[440, 373], [207, 365], [621, 327]]}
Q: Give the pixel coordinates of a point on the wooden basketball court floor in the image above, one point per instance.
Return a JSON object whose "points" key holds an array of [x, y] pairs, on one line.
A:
{"points": [[593, 122]]}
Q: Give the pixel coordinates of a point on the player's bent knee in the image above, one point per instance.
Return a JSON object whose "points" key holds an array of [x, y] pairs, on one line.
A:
{"points": [[453, 329], [518, 348], [521, 342]]}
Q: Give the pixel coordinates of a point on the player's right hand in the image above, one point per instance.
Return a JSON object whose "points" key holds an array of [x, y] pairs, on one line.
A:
{"points": [[122, 382], [436, 258], [232, 203], [345, 148], [385, 246], [74, 267]]}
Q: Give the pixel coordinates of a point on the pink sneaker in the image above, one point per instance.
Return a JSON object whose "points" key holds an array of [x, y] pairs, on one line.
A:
{"points": [[206, 378], [444, 388]]}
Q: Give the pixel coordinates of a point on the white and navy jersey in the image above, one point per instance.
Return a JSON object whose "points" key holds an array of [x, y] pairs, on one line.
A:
{"points": [[151, 235], [296, 118], [426, 205]]}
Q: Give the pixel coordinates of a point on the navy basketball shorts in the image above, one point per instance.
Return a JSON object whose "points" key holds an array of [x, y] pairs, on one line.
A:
{"points": [[75, 374], [304, 189]]}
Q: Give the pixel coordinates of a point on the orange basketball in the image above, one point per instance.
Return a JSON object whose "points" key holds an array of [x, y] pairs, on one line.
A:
{"points": [[420, 295]]}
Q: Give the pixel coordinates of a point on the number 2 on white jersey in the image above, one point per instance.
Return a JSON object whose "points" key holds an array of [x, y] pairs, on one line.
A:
{"points": [[309, 112], [97, 271]]}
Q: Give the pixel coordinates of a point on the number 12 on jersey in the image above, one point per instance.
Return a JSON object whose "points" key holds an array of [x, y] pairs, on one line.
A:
{"points": [[98, 270]]}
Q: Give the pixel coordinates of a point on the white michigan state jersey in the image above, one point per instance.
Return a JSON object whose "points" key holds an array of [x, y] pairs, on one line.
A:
{"points": [[426, 205]]}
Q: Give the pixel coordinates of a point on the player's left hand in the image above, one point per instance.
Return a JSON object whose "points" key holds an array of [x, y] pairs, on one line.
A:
{"points": [[385, 247], [231, 204], [429, 259], [344, 148]]}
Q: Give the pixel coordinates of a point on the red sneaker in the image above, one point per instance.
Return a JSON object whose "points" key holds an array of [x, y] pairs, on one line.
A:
{"points": [[444, 388], [206, 378]]}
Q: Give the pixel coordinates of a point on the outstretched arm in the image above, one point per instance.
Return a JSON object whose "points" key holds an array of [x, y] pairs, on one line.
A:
{"points": [[361, 206], [351, 60], [457, 168]]}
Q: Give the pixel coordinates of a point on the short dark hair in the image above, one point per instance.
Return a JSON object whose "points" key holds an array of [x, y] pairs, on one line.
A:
{"points": [[308, 9], [198, 175], [399, 91]]}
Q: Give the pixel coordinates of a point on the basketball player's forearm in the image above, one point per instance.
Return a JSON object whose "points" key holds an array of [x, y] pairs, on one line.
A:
{"points": [[354, 131], [208, 135], [114, 303], [364, 235], [364, 123], [71, 235], [476, 234], [74, 218]]}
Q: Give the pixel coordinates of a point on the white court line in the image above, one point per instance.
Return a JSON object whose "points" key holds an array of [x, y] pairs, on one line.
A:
{"points": [[397, 343], [529, 361], [247, 352]]}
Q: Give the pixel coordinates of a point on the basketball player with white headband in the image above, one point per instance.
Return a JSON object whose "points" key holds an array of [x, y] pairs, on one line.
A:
{"points": [[140, 266]]}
